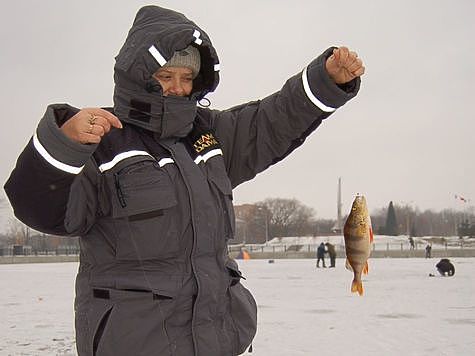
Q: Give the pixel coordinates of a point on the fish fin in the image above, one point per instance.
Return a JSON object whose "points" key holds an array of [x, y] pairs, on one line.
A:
{"points": [[366, 268], [348, 266], [357, 287], [371, 236]]}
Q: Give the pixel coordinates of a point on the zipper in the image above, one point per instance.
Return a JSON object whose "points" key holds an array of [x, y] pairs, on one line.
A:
{"points": [[192, 216], [118, 189]]}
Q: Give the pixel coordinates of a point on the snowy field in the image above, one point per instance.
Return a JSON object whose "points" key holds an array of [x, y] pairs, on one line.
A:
{"points": [[302, 310]]}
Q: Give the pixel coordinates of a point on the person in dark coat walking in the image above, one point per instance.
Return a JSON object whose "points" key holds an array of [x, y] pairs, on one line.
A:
{"points": [[321, 255], [428, 251], [331, 253], [147, 185]]}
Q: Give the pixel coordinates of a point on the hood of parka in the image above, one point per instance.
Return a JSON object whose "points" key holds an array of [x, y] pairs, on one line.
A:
{"points": [[152, 40]]}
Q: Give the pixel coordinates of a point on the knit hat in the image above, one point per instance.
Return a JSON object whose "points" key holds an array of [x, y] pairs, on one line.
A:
{"points": [[188, 57]]}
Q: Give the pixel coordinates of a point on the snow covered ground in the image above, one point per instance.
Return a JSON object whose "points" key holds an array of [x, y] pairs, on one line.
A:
{"points": [[302, 310]]}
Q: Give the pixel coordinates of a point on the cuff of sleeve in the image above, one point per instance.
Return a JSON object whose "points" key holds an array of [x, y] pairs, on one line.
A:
{"points": [[322, 90], [57, 148]]}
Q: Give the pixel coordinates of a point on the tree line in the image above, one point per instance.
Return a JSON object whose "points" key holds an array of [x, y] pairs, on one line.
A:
{"points": [[21, 235], [278, 217]]}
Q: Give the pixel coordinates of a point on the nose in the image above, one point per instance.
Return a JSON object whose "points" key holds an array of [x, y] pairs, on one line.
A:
{"points": [[176, 88]]}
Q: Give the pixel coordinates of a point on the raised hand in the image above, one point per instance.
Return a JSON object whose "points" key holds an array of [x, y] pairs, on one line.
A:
{"points": [[89, 125], [344, 65]]}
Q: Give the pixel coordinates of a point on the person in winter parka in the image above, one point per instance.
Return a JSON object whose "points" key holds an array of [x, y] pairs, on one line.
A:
{"points": [[321, 255], [147, 185], [331, 253], [445, 267]]}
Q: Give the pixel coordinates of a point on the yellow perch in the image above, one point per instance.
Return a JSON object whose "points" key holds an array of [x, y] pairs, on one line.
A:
{"points": [[358, 239]]}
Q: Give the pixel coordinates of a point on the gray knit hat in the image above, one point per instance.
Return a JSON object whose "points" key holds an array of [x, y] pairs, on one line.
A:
{"points": [[188, 57]]}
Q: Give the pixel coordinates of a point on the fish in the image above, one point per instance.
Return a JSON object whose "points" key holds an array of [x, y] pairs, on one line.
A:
{"points": [[358, 235]]}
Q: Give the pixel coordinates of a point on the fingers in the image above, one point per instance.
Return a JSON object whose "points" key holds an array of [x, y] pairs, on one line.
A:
{"points": [[358, 63], [336, 55], [359, 72], [109, 117], [89, 138], [90, 133], [349, 60], [352, 59], [344, 56], [96, 130], [90, 125], [344, 65], [98, 124], [102, 123]]}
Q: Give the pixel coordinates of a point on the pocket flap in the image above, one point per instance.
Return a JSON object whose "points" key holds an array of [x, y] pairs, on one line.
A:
{"points": [[222, 183], [141, 191], [234, 272]]}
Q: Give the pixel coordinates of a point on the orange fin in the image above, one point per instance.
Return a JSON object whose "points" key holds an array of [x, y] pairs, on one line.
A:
{"points": [[371, 237], [366, 268], [357, 287]]}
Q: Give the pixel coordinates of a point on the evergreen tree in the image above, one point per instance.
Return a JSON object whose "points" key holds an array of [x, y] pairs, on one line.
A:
{"points": [[391, 221]]}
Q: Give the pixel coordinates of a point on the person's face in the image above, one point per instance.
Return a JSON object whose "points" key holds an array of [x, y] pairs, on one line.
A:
{"points": [[175, 80]]}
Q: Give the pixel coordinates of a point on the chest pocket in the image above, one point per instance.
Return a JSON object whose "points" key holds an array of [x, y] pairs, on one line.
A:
{"points": [[143, 209], [222, 186]]}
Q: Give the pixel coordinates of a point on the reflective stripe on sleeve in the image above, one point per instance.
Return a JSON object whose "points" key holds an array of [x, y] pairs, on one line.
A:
{"points": [[165, 161], [208, 155], [53, 161], [120, 157], [312, 97]]}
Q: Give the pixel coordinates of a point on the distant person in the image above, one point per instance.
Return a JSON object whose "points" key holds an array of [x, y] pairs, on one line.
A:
{"points": [[332, 253], [321, 255], [411, 242], [445, 267], [428, 251]]}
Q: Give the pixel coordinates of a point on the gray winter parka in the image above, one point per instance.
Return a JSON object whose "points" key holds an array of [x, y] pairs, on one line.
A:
{"points": [[153, 206]]}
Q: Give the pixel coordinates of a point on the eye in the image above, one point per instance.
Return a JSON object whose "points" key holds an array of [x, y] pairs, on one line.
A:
{"points": [[163, 77]]}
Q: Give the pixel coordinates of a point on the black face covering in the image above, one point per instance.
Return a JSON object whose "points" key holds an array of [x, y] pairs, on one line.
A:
{"points": [[178, 116], [166, 116]]}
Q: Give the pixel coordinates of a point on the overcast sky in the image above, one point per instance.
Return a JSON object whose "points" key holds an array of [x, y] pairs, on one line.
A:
{"points": [[407, 137]]}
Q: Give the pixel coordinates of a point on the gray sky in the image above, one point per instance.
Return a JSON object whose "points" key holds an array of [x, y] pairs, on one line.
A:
{"points": [[407, 136]]}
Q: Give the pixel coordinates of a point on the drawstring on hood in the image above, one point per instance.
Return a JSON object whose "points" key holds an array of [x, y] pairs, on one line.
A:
{"points": [[155, 36]]}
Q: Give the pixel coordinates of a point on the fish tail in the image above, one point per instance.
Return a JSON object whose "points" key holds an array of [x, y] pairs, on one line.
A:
{"points": [[366, 268], [357, 287]]}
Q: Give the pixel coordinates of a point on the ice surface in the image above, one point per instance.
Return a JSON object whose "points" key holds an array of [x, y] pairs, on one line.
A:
{"points": [[302, 310]]}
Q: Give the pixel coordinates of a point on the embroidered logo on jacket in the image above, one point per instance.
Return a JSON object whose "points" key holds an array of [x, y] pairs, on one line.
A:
{"points": [[202, 144], [205, 141]]}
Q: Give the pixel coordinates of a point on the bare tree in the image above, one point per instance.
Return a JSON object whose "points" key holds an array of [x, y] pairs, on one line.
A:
{"points": [[288, 217], [302, 220], [18, 232]]}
